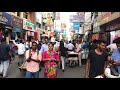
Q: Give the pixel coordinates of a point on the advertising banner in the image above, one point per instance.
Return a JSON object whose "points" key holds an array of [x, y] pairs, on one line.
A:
{"points": [[77, 18], [17, 22], [28, 25], [5, 18], [76, 25]]}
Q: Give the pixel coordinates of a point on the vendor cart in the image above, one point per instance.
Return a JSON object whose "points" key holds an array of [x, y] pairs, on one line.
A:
{"points": [[72, 58]]}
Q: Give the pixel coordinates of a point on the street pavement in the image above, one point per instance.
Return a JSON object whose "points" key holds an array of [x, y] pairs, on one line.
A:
{"points": [[75, 72]]}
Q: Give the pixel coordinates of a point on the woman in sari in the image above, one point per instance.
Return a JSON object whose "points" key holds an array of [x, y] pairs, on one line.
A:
{"points": [[50, 58]]}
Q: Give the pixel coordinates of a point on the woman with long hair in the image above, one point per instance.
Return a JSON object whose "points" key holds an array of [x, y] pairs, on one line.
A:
{"points": [[63, 52]]}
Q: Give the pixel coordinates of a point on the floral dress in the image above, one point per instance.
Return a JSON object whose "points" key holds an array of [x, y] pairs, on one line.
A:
{"points": [[50, 67]]}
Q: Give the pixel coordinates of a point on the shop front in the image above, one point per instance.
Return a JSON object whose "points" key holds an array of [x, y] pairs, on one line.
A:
{"points": [[5, 25], [29, 28], [17, 24], [112, 28]]}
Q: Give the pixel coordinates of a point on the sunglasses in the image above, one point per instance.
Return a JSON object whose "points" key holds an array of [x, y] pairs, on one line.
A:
{"points": [[34, 45]]}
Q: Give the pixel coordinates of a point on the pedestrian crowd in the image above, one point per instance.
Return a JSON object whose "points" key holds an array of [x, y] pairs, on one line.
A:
{"points": [[53, 55]]}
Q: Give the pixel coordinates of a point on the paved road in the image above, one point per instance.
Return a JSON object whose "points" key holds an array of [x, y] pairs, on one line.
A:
{"points": [[75, 72]]}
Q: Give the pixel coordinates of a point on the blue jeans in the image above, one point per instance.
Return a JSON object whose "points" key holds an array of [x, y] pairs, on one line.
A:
{"points": [[32, 74]]}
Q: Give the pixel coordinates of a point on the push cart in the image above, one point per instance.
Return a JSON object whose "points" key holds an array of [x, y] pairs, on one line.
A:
{"points": [[72, 58]]}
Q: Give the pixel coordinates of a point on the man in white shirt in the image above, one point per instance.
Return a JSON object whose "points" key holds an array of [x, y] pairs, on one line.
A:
{"points": [[66, 44], [53, 39], [70, 46], [78, 50], [44, 47], [56, 45], [21, 51]]}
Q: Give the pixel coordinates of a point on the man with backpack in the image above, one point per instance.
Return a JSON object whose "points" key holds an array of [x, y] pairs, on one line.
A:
{"points": [[33, 59], [5, 56]]}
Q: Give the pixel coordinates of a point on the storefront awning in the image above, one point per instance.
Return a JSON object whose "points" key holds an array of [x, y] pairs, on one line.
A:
{"points": [[15, 29]]}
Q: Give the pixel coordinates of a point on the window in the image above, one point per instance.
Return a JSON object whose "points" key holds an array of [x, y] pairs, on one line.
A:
{"points": [[25, 15], [18, 14]]}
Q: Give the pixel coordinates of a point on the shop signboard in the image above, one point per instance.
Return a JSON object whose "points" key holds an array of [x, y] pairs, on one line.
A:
{"points": [[17, 22], [77, 18], [39, 17], [105, 15], [76, 25], [113, 27], [5, 18], [28, 25]]}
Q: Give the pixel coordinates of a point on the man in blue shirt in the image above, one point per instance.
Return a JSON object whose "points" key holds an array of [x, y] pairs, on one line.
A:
{"points": [[116, 54]]}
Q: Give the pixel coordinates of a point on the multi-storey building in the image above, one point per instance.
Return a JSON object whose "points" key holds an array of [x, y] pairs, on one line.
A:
{"points": [[17, 25]]}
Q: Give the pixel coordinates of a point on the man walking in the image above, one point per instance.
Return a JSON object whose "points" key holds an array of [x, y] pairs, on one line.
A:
{"points": [[33, 61], [4, 57], [96, 62], [21, 51], [44, 47]]}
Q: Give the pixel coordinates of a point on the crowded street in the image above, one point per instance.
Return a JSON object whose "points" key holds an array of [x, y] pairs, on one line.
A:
{"points": [[75, 72], [59, 44]]}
